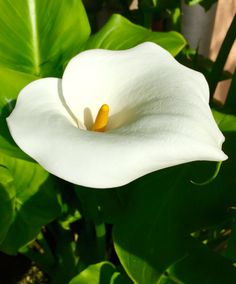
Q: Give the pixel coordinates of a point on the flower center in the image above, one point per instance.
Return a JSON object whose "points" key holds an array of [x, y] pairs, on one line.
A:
{"points": [[101, 120]]}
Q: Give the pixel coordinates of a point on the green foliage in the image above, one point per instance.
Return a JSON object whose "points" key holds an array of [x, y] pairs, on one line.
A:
{"points": [[203, 266], [40, 35], [119, 33], [226, 122], [7, 193], [9, 91], [168, 209], [26, 190], [103, 272], [165, 229], [37, 40]]}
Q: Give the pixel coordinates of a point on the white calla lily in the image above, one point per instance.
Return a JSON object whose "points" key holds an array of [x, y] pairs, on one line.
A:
{"points": [[159, 117]]}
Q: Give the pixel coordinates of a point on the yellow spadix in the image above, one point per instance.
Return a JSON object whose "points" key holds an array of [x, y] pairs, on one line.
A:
{"points": [[101, 120]]}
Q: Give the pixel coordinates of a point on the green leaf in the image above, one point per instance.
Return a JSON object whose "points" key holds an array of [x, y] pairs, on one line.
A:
{"points": [[66, 254], [226, 122], [203, 266], [147, 239], [7, 193], [30, 202], [11, 83], [162, 210], [8, 146], [95, 274], [37, 37], [100, 205], [119, 33], [71, 218], [100, 273]]}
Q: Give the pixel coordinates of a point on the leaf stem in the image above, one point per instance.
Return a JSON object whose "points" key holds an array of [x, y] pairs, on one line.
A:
{"points": [[174, 279], [217, 170], [100, 231]]}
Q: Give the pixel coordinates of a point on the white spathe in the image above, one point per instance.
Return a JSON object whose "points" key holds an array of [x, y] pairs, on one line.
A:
{"points": [[159, 117]]}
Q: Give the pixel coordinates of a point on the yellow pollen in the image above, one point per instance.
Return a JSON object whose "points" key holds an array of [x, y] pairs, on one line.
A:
{"points": [[101, 120]]}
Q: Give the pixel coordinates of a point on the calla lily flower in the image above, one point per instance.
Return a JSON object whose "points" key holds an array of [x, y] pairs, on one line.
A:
{"points": [[159, 117]]}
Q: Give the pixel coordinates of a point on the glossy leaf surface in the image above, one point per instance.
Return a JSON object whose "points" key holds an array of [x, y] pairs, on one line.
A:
{"points": [[168, 208], [26, 191], [37, 37], [119, 33], [103, 272]]}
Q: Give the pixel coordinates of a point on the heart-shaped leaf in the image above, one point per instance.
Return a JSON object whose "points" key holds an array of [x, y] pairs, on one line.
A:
{"points": [[163, 209], [119, 33]]}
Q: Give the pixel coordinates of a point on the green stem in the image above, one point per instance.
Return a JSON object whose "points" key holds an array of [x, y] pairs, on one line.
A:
{"points": [[175, 280], [214, 76], [217, 170], [147, 19], [100, 231], [171, 279]]}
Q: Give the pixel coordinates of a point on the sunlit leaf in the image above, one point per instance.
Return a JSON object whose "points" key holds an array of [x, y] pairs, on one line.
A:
{"points": [[37, 37], [119, 33], [226, 122], [103, 272]]}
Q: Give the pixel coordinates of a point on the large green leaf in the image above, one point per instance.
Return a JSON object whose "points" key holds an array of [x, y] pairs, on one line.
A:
{"points": [[100, 273], [29, 200], [37, 37], [119, 33], [11, 83], [203, 266], [7, 194], [162, 210], [7, 145]]}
